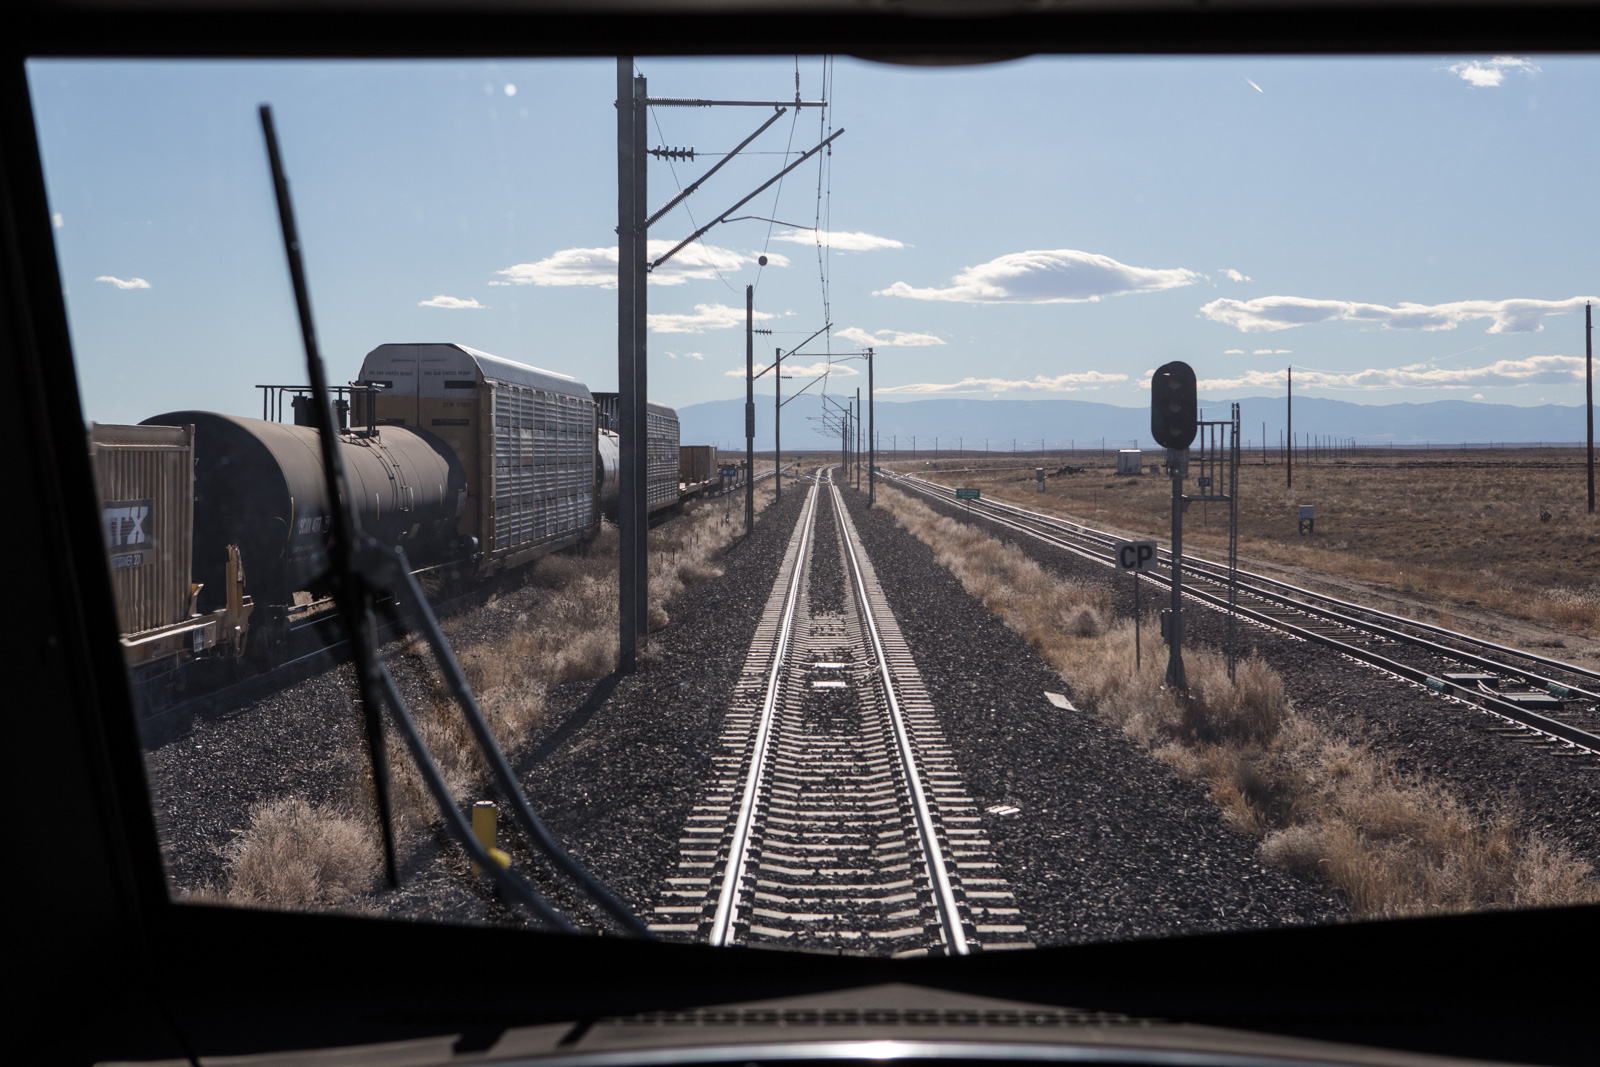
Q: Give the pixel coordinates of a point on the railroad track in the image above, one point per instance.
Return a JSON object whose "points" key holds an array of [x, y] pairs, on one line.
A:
{"points": [[1540, 699], [837, 820]]}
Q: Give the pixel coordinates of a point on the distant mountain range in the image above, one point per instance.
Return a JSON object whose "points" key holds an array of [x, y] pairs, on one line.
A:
{"points": [[1085, 424]]}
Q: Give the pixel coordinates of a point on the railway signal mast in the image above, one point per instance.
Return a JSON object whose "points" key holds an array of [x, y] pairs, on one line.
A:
{"points": [[1174, 421]]}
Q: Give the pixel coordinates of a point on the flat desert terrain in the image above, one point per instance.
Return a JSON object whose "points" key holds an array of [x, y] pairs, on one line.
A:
{"points": [[1496, 542]]}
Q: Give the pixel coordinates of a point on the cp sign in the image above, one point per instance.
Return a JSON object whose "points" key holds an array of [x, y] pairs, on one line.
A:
{"points": [[1134, 555]]}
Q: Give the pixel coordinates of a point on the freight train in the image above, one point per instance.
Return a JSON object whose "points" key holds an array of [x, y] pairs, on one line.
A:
{"points": [[217, 525]]}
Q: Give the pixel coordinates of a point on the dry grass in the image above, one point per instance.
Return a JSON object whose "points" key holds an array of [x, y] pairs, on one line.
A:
{"points": [[1504, 529], [294, 854], [1392, 843]]}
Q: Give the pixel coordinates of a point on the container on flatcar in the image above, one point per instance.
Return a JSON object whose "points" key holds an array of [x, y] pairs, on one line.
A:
{"points": [[145, 477], [525, 438], [696, 464]]}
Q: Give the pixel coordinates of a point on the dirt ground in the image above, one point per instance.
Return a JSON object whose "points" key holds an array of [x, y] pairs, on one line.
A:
{"points": [[1497, 542]]}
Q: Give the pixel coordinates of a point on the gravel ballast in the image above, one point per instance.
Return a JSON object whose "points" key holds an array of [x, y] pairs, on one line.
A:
{"points": [[1107, 844], [1425, 733]]}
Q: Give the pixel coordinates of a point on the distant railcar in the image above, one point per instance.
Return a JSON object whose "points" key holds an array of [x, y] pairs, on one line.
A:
{"points": [[661, 450], [697, 466]]}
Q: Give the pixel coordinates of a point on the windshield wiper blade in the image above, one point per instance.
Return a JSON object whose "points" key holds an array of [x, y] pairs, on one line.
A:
{"points": [[347, 592]]}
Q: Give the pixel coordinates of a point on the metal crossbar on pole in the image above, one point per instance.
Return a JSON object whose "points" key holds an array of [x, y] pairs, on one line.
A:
{"points": [[693, 237], [683, 194], [685, 101]]}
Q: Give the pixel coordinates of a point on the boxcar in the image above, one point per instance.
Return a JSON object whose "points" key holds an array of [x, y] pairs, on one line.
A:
{"points": [[145, 477]]}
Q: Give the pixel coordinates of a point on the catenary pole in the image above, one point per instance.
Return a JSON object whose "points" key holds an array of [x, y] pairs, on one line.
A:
{"points": [[777, 416], [872, 446], [632, 383], [1588, 348], [1289, 470], [641, 367], [749, 410]]}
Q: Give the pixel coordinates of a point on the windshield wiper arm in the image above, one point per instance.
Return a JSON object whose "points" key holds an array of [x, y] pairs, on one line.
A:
{"points": [[361, 566]]}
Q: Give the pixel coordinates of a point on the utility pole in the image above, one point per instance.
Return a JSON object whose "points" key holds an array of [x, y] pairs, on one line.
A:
{"points": [[858, 438], [633, 588], [872, 438], [844, 441], [749, 410], [1289, 470], [633, 267], [777, 417], [1588, 348]]}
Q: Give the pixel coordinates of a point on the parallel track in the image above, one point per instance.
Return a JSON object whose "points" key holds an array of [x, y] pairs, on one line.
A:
{"points": [[837, 820], [1542, 697]]}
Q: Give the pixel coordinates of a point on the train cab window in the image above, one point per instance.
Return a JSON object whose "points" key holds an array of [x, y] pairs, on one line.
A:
{"points": [[899, 426]]}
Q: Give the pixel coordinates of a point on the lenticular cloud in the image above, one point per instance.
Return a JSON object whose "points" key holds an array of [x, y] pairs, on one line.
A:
{"points": [[1062, 276], [1269, 313]]}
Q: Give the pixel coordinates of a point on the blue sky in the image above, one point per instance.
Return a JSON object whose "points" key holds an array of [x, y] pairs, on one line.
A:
{"points": [[1397, 229]]}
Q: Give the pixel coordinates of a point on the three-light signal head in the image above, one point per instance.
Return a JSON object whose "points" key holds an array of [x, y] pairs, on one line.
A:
{"points": [[1174, 405]]}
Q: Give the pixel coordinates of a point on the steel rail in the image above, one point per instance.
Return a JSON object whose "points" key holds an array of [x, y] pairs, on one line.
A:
{"points": [[738, 854], [1506, 709], [1208, 570], [938, 875], [1201, 563]]}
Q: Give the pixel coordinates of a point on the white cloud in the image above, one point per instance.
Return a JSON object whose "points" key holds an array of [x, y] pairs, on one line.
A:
{"points": [[1254, 86], [1233, 351], [1477, 396], [1236, 276], [131, 283], [838, 240], [442, 301], [887, 338], [800, 370], [705, 317], [686, 355], [1489, 73], [1061, 276], [1271, 352], [57, 221], [1270, 313], [511, 90], [1061, 383], [1535, 370], [598, 266]]}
